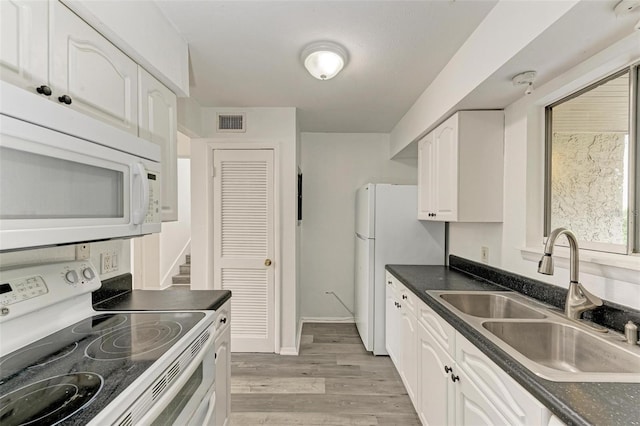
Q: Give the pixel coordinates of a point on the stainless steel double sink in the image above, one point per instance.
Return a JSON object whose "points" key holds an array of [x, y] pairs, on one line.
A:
{"points": [[544, 341]]}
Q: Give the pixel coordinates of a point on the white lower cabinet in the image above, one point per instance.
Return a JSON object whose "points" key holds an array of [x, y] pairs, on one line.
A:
{"points": [[435, 388], [392, 320], [223, 366], [449, 380], [503, 397], [408, 351]]}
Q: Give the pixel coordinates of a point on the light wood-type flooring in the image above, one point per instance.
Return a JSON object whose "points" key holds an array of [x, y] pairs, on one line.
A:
{"points": [[333, 381]]}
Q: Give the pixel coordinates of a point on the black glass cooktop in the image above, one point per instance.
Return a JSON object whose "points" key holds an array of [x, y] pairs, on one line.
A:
{"points": [[69, 376]]}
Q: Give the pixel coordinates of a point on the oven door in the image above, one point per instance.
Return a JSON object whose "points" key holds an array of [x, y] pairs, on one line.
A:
{"points": [[191, 399], [60, 189]]}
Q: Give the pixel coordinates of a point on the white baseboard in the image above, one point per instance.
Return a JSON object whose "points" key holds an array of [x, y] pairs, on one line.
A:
{"points": [[299, 334], [289, 351], [345, 320]]}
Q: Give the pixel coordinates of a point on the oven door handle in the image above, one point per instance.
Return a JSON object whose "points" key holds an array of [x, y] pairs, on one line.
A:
{"points": [[157, 408], [211, 409]]}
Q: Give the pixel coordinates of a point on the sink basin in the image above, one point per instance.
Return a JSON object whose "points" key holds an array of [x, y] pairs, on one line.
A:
{"points": [[542, 339], [565, 348], [490, 305]]}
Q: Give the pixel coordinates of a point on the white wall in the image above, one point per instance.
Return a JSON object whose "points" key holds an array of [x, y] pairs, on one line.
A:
{"points": [[175, 238], [65, 253], [334, 166], [612, 277], [265, 126]]}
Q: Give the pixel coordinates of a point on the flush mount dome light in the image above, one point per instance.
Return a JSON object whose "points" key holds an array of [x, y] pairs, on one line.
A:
{"points": [[324, 59]]}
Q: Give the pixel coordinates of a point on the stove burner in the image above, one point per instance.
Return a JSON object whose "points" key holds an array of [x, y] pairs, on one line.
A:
{"points": [[99, 324], [34, 357], [136, 340], [49, 401]]}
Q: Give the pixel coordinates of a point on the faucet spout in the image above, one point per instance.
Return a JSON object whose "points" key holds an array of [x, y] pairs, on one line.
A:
{"points": [[578, 298]]}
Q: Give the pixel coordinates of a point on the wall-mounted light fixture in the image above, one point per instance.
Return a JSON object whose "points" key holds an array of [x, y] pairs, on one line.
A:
{"points": [[324, 59], [525, 78]]}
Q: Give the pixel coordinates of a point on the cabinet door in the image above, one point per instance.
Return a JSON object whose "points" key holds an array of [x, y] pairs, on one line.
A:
{"points": [[223, 378], [501, 392], [446, 172], [425, 178], [435, 404], [24, 37], [100, 80], [472, 408], [408, 351], [392, 324], [157, 120]]}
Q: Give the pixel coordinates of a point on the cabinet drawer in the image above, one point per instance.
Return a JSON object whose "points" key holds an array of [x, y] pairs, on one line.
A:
{"points": [[508, 397], [392, 282], [222, 319], [441, 330], [408, 300]]}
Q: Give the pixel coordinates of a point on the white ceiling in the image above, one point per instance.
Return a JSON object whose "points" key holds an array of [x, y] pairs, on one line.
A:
{"points": [[247, 54], [586, 29]]}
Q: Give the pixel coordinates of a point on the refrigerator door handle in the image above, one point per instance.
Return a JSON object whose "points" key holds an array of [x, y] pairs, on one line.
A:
{"points": [[361, 237]]}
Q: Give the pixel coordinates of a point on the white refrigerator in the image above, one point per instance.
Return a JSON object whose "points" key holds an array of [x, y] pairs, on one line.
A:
{"points": [[388, 232]]}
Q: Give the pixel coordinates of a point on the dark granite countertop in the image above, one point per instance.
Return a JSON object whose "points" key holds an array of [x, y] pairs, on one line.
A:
{"points": [[116, 295], [579, 403], [165, 300]]}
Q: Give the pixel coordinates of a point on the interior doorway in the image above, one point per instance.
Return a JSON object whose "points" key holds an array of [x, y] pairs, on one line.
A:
{"points": [[244, 232]]}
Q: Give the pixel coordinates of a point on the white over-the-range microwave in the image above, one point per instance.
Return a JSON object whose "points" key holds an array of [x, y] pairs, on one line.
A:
{"points": [[67, 178]]}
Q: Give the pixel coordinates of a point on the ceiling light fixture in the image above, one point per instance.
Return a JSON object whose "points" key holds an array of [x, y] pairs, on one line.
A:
{"points": [[525, 78], [324, 59]]}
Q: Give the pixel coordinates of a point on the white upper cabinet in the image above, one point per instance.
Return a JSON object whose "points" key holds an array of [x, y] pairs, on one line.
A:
{"points": [[24, 36], [426, 202], [157, 120], [90, 74], [461, 169]]}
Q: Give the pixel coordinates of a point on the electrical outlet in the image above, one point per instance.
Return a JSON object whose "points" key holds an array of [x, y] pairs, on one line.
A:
{"points": [[105, 263], [484, 254], [108, 262], [83, 252]]}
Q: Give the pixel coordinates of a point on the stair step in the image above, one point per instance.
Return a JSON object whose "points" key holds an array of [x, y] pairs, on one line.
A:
{"points": [[185, 269], [181, 279], [188, 259]]}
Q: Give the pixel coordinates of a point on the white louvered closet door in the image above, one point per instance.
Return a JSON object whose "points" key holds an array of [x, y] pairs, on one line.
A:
{"points": [[244, 244]]}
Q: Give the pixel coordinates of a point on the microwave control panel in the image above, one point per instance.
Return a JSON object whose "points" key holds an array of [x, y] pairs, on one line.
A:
{"points": [[154, 210]]}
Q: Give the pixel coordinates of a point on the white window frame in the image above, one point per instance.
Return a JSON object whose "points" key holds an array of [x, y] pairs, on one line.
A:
{"points": [[633, 225]]}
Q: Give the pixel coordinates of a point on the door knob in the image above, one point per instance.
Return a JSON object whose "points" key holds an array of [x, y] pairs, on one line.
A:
{"points": [[267, 262]]}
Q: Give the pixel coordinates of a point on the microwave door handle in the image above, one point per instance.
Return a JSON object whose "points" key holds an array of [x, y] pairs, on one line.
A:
{"points": [[143, 205]]}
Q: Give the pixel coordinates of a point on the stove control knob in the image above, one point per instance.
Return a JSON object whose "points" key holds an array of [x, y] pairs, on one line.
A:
{"points": [[88, 273], [71, 277]]}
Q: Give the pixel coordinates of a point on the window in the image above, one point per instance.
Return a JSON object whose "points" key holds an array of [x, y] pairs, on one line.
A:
{"points": [[592, 185]]}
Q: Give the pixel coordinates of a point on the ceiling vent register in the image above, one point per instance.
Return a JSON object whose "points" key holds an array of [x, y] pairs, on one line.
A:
{"points": [[232, 123]]}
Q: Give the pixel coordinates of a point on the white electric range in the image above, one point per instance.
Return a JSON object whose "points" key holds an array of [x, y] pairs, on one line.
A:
{"points": [[61, 362]]}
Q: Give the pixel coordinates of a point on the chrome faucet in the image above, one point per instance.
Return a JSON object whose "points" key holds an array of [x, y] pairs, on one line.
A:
{"points": [[578, 298]]}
